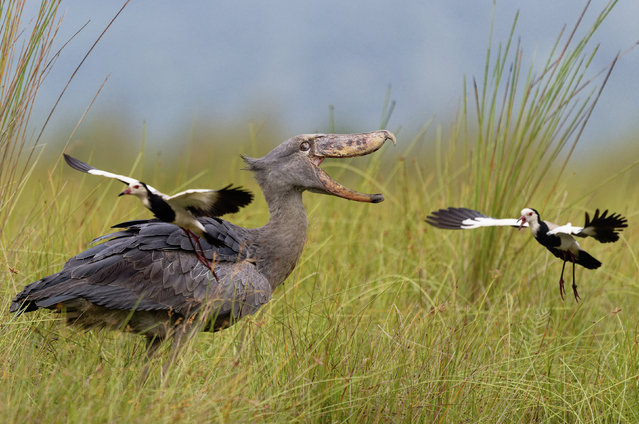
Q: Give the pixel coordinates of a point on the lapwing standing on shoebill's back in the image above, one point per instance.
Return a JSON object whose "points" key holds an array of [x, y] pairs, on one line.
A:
{"points": [[181, 209], [558, 239]]}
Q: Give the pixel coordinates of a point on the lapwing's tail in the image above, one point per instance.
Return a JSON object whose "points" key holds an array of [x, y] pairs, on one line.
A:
{"points": [[586, 260]]}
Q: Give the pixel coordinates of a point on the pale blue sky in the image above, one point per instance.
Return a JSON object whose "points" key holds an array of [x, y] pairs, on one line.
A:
{"points": [[171, 62]]}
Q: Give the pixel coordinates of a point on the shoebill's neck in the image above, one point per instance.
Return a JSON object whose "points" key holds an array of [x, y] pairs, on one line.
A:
{"points": [[277, 246]]}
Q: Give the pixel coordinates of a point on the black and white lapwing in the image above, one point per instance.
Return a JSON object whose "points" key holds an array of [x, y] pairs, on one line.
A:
{"points": [[558, 239], [181, 209]]}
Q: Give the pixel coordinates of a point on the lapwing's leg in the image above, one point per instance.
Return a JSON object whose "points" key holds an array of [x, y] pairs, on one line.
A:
{"points": [[201, 258], [211, 265], [197, 254], [574, 285], [200, 254], [197, 241], [561, 280]]}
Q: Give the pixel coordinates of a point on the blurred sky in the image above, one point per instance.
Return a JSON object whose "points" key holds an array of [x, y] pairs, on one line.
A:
{"points": [[172, 63]]}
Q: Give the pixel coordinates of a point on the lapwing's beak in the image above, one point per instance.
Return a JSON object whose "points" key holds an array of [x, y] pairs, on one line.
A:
{"points": [[522, 221], [126, 191]]}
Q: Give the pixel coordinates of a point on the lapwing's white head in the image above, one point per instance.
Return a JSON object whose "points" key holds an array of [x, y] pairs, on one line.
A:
{"points": [[138, 189], [530, 216]]}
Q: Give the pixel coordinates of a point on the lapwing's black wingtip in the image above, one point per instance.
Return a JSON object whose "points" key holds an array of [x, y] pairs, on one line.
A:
{"points": [[234, 198], [434, 222], [227, 200], [603, 227], [77, 164], [442, 219], [451, 218]]}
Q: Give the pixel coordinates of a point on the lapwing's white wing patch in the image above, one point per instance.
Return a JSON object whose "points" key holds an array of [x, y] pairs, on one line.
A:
{"points": [[85, 167], [195, 198], [467, 219], [567, 229], [468, 224]]}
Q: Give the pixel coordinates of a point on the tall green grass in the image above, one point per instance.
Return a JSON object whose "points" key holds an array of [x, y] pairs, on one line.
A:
{"points": [[518, 129], [369, 328], [383, 320], [25, 59]]}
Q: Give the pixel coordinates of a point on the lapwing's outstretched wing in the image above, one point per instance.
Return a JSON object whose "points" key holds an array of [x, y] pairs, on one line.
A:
{"points": [[467, 219], [203, 202], [85, 167], [603, 227]]}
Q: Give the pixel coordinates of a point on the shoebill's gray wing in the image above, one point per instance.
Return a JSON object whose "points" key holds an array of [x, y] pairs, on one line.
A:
{"points": [[150, 266]]}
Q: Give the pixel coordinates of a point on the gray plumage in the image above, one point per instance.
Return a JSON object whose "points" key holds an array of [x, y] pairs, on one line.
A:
{"points": [[146, 275]]}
